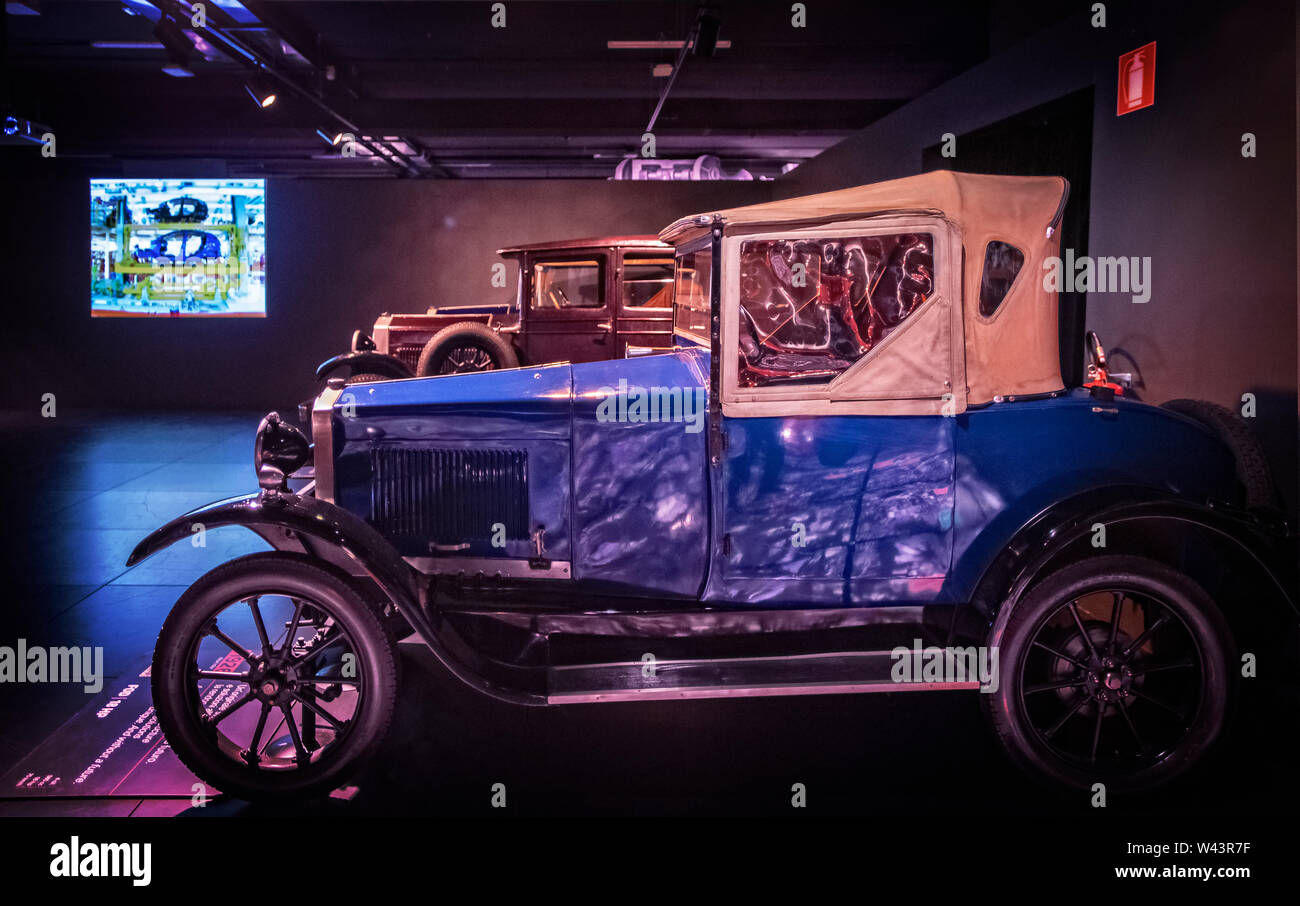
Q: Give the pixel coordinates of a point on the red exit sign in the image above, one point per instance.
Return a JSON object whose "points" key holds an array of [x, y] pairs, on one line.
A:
{"points": [[1137, 80]]}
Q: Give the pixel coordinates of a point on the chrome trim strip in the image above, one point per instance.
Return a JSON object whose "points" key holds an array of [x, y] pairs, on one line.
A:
{"points": [[488, 567], [322, 435], [691, 692]]}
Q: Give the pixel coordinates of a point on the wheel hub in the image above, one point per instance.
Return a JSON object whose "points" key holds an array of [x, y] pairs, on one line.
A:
{"points": [[273, 685], [1110, 679]]}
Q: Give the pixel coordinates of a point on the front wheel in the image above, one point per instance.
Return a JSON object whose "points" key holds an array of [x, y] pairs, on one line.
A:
{"points": [[1114, 670], [273, 677]]}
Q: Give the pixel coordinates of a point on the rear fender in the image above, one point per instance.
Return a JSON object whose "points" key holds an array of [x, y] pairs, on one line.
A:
{"points": [[1054, 539]]}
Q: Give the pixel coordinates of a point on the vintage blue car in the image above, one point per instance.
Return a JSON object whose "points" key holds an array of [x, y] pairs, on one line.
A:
{"points": [[858, 471]]}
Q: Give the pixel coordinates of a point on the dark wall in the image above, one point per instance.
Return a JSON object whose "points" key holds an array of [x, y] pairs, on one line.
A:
{"points": [[1167, 182], [339, 252]]}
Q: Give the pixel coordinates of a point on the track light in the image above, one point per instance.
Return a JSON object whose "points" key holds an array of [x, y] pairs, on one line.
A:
{"points": [[329, 136], [261, 94]]}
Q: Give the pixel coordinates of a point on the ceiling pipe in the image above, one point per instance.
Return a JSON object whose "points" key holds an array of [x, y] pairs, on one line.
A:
{"points": [[705, 18]]}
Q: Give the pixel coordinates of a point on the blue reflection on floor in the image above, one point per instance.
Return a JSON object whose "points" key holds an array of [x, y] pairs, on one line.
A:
{"points": [[78, 492]]}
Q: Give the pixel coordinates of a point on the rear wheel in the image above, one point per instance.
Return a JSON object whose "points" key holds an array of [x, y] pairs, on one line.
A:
{"points": [[1115, 670], [466, 347], [274, 677]]}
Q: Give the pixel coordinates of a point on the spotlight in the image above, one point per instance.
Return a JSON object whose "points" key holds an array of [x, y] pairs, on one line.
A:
{"points": [[17, 129], [262, 95], [329, 135]]}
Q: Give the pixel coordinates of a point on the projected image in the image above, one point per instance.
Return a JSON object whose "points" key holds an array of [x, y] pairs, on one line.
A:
{"points": [[178, 248]]}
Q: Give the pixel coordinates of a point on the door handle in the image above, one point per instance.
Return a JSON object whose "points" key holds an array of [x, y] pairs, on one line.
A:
{"points": [[606, 326]]}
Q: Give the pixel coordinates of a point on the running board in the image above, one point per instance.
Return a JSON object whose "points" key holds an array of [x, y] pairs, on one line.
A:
{"points": [[836, 673]]}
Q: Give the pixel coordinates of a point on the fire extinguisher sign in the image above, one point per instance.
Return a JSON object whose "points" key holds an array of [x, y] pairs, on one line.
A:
{"points": [[1137, 80]]}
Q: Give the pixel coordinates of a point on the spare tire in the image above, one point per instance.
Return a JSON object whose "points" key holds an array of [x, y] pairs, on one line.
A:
{"points": [[465, 347], [1253, 474]]}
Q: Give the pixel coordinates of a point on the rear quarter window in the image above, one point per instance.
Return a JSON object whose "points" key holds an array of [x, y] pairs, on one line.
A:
{"points": [[1002, 263]]}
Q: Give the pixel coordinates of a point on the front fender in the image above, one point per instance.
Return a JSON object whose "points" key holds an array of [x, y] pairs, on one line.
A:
{"points": [[305, 524], [297, 523], [365, 362]]}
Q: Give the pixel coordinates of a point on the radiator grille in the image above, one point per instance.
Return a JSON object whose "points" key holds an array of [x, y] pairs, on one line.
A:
{"points": [[409, 353], [448, 496]]}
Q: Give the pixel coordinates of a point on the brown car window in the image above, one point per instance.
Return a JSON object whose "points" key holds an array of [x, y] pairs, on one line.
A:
{"points": [[578, 283], [1002, 262], [810, 308], [691, 296], [647, 282]]}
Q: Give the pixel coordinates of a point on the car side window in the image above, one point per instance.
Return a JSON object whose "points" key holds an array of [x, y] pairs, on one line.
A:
{"points": [[691, 295], [647, 282], [1002, 262], [575, 283], [810, 308]]}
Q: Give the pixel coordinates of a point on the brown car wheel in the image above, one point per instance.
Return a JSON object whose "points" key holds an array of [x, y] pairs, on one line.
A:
{"points": [[463, 348]]}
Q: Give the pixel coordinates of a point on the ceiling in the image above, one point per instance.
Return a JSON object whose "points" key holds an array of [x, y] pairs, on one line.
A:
{"points": [[444, 94]]}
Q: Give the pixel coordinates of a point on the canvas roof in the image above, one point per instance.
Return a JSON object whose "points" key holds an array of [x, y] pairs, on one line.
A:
{"points": [[1010, 353]]}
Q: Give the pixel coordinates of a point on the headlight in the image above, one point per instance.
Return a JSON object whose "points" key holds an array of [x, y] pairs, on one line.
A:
{"points": [[279, 450]]}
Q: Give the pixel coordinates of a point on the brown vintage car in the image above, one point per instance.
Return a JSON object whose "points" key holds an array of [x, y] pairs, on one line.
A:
{"points": [[577, 300]]}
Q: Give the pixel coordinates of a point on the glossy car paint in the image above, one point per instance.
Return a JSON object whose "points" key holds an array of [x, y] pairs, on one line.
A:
{"points": [[801, 511], [640, 510], [516, 409], [1015, 459], [832, 511]]}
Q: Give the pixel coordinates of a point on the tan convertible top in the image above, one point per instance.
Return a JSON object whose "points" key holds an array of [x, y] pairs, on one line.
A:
{"points": [[1012, 352]]}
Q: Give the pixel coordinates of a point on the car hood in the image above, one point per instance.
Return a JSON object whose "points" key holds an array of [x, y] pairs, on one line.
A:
{"points": [[510, 403]]}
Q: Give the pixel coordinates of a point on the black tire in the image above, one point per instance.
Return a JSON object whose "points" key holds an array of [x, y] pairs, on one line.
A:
{"points": [[364, 379], [465, 347], [1253, 474], [1048, 710], [220, 759]]}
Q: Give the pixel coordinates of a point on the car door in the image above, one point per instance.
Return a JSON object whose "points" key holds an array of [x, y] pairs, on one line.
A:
{"points": [[819, 507], [570, 315], [645, 300]]}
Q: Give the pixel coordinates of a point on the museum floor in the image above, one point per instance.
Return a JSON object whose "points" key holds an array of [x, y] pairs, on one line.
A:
{"points": [[80, 490]]}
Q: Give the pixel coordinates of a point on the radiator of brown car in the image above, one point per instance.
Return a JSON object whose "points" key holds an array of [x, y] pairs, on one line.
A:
{"points": [[448, 496], [409, 353]]}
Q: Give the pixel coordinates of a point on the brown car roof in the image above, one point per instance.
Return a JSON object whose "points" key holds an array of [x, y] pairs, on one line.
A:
{"points": [[647, 242]]}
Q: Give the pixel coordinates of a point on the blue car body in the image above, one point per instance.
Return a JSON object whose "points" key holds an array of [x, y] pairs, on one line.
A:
{"points": [[894, 509]]}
